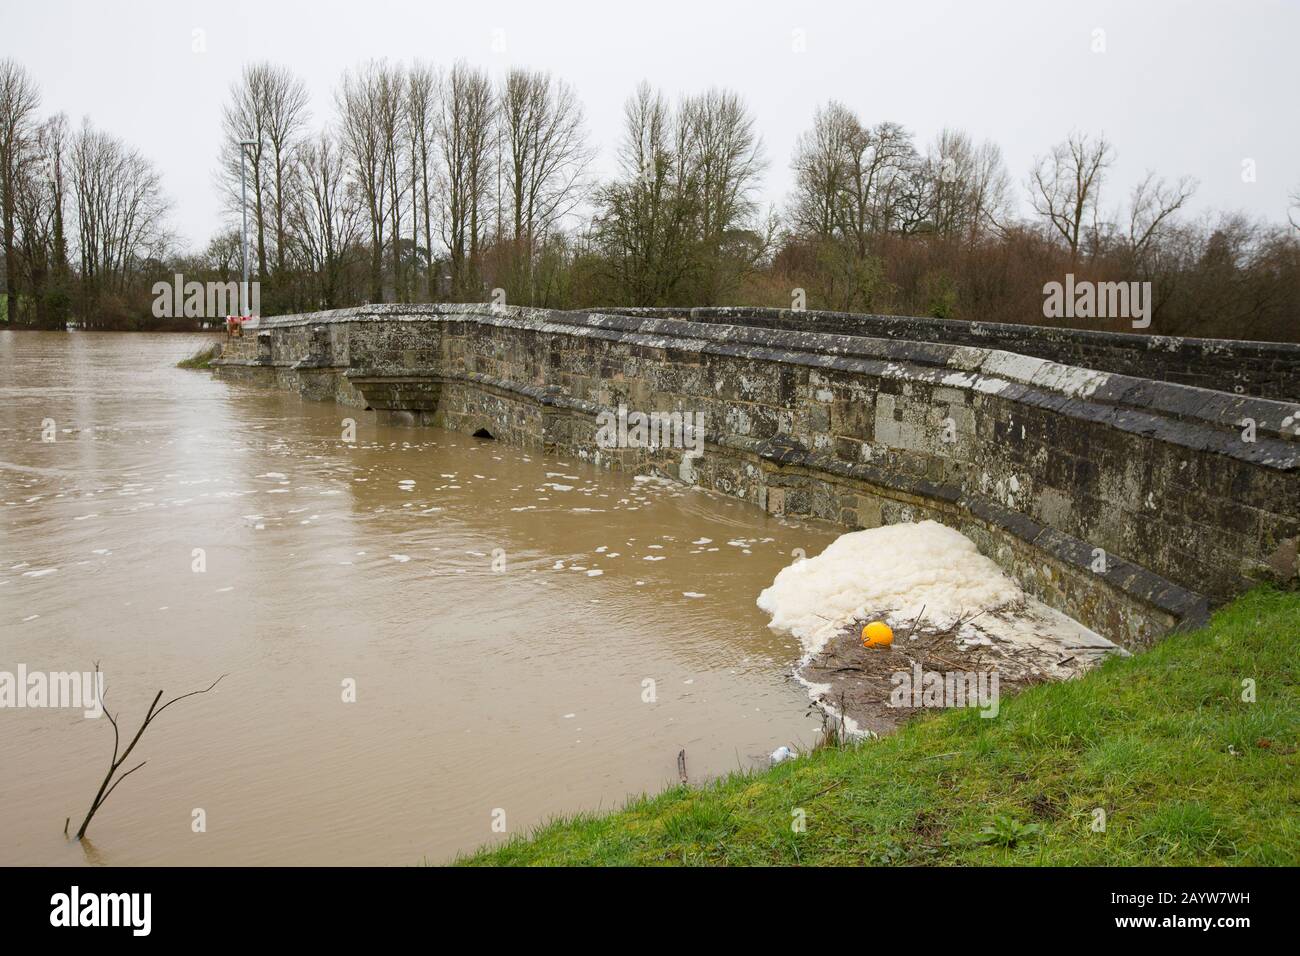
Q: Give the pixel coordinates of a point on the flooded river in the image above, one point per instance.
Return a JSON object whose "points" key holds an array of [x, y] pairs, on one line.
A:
{"points": [[523, 635]]}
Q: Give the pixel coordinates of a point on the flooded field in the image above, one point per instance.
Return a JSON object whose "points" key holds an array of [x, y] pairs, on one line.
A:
{"points": [[422, 633]]}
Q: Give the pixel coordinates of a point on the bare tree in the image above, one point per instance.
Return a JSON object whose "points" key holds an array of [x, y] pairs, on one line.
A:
{"points": [[958, 189], [368, 106], [244, 118], [722, 159], [1151, 206], [286, 118], [1065, 185], [466, 142], [877, 160], [646, 219], [120, 209], [19, 99], [390, 114], [269, 106], [222, 255], [544, 154], [423, 87], [42, 259], [990, 191], [821, 171], [725, 157], [325, 217]]}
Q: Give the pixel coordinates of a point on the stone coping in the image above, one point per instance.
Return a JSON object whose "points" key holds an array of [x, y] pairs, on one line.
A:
{"points": [[889, 324]]}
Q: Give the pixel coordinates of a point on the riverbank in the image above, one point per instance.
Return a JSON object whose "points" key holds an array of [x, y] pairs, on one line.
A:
{"points": [[1185, 770], [202, 357]]}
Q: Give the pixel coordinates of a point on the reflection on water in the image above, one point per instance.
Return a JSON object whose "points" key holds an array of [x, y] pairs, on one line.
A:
{"points": [[503, 616]]}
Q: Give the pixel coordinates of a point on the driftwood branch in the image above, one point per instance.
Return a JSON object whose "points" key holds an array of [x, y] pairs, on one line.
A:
{"points": [[109, 784]]}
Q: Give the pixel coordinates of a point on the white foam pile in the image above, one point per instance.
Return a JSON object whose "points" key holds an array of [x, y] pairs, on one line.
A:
{"points": [[892, 571]]}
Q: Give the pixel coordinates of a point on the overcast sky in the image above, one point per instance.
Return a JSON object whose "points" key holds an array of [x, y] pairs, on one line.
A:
{"points": [[1182, 88]]}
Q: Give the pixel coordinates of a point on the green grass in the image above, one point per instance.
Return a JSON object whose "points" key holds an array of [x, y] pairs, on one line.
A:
{"points": [[202, 358], [1187, 772]]}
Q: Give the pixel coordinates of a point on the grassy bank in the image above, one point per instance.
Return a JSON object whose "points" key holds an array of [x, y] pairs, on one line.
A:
{"points": [[202, 358], [1186, 771]]}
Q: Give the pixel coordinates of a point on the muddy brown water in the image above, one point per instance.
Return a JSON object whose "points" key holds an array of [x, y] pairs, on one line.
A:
{"points": [[481, 694]]}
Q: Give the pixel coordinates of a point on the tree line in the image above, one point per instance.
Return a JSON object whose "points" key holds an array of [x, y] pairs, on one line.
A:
{"points": [[426, 183]]}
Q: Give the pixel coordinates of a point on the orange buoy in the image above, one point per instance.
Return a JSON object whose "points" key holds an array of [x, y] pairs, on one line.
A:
{"points": [[877, 634]]}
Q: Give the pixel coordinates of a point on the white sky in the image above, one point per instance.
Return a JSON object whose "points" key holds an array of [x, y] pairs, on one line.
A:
{"points": [[1183, 88]]}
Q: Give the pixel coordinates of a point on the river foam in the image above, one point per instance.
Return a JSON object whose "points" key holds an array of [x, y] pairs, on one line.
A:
{"points": [[899, 568]]}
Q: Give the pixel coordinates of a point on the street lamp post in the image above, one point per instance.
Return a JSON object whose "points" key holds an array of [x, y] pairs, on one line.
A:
{"points": [[243, 189]]}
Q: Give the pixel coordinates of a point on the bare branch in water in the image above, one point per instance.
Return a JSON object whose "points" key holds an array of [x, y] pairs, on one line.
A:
{"points": [[108, 785]]}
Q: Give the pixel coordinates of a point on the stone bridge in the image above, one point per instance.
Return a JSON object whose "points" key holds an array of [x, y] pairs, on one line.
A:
{"points": [[1129, 481]]}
